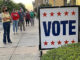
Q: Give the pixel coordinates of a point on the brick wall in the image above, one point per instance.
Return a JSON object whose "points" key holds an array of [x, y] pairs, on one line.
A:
{"points": [[57, 2]]}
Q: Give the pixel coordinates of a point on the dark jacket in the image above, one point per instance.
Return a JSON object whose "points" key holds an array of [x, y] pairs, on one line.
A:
{"points": [[27, 16], [22, 15]]}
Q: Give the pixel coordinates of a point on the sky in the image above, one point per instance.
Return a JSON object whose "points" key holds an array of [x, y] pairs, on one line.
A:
{"points": [[27, 3]]}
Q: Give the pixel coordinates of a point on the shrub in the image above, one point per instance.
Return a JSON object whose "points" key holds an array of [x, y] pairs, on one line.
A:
{"points": [[67, 52]]}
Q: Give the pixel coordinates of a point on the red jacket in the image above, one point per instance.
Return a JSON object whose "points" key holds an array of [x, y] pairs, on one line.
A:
{"points": [[15, 15]]}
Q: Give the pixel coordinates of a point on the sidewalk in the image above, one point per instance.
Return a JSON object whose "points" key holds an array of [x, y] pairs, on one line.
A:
{"points": [[24, 47]]}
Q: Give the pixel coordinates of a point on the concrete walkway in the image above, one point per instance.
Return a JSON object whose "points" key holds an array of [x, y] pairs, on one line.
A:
{"points": [[24, 47]]}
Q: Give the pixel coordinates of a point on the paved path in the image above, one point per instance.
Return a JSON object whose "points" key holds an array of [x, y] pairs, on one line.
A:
{"points": [[24, 46], [1, 26]]}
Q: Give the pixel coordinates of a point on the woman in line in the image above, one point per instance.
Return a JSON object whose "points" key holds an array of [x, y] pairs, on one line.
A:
{"points": [[27, 18], [15, 18], [6, 24]]}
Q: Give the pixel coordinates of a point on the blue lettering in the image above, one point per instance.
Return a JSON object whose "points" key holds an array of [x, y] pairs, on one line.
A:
{"points": [[64, 26], [58, 28], [71, 27], [47, 29]]}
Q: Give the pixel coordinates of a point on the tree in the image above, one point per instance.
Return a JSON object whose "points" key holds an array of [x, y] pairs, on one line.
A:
{"points": [[11, 5], [22, 6], [1, 3]]}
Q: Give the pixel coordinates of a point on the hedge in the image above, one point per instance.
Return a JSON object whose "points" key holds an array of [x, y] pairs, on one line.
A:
{"points": [[67, 52]]}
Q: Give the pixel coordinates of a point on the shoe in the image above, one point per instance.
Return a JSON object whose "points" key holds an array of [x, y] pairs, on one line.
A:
{"points": [[10, 42], [14, 33], [4, 42]]}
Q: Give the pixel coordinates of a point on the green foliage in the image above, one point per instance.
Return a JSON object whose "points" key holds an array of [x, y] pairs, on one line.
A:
{"points": [[1, 3], [11, 5], [67, 52]]}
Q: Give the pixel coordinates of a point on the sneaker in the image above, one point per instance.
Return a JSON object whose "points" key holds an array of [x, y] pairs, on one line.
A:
{"points": [[10, 42], [4, 42], [14, 33]]}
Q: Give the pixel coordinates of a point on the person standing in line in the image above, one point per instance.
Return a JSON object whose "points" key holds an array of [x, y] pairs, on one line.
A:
{"points": [[15, 18], [6, 24], [21, 19], [32, 18], [27, 17]]}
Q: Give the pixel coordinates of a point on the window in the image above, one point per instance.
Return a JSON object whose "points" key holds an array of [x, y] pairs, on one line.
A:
{"points": [[77, 2], [47, 1], [69, 2]]}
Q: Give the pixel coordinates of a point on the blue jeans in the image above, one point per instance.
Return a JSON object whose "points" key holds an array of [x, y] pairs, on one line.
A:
{"points": [[6, 27], [32, 21], [15, 25]]}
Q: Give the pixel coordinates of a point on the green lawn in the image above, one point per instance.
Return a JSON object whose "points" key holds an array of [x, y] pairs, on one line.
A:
{"points": [[67, 52]]}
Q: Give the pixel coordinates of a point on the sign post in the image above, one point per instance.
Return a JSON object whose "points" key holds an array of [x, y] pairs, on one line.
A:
{"points": [[58, 26]]}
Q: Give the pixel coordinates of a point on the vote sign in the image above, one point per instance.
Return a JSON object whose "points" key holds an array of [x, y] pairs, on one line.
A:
{"points": [[58, 26]]}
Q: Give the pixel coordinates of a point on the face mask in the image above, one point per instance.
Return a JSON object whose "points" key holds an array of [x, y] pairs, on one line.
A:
{"points": [[6, 10]]}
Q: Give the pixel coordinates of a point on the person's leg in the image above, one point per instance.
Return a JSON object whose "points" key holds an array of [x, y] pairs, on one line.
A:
{"points": [[23, 25], [13, 26], [16, 25], [28, 22], [4, 34], [20, 25], [8, 32], [31, 21]]}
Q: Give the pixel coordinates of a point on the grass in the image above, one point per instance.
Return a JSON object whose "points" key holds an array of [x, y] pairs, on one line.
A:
{"points": [[67, 52]]}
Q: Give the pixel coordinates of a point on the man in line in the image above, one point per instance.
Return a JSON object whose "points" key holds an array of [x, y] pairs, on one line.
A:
{"points": [[15, 18], [32, 18], [21, 19]]}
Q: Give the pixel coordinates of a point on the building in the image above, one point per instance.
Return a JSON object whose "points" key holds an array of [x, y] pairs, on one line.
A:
{"points": [[64, 2], [77, 2], [37, 3], [58, 2], [71, 2]]}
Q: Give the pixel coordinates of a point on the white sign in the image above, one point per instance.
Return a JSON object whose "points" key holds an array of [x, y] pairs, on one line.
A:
{"points": [[58, 26]]}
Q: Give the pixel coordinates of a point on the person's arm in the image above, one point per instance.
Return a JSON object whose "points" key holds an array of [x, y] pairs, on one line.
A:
{"points": [[3, 17], [18, 16], [8, 17]]}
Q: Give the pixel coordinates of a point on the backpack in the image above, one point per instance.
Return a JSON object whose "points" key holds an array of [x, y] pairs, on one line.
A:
{"points": [[32, 14]]}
